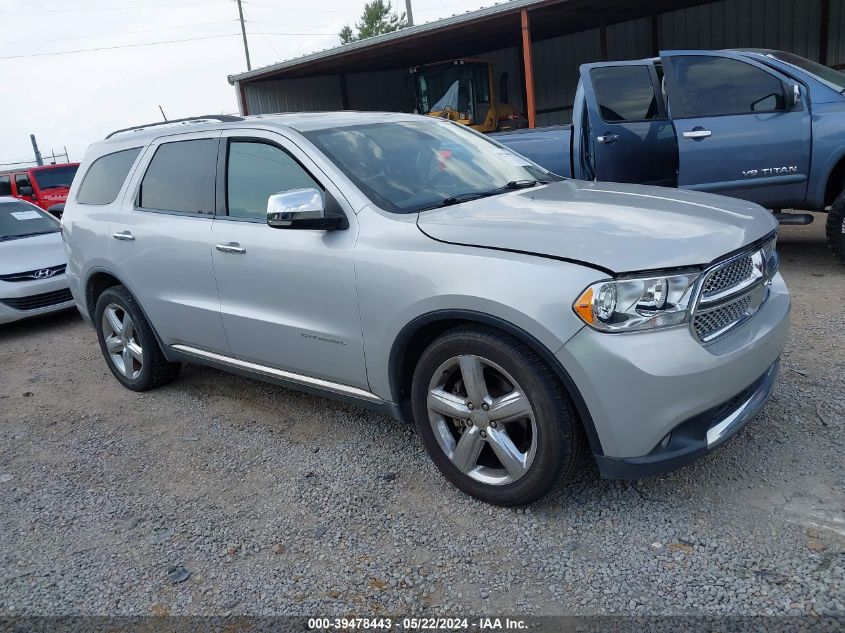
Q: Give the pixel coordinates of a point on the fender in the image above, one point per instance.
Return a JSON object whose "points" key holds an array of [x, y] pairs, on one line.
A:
{"points": [[168, 354], [817, 198], [397, 352]]}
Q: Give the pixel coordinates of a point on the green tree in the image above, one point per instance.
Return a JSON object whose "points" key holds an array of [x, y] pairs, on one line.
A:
{"points": [[378, 17]]}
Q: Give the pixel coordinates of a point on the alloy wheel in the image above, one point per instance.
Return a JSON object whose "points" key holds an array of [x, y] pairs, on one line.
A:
{"points": [[482, 420], [123, 348]]}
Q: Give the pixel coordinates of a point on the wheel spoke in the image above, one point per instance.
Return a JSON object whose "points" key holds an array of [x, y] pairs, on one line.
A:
{"points": [[135, 351], [467, 449], [472, 371], [114, 322], [128, 326], [127, 362], [114, 345], [448, 404], [513, 461], [510, 407]]}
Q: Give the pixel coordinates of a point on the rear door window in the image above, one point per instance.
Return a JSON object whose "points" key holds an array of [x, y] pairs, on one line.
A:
{"points": [[181, 177], [105, 177], [624, 93]]}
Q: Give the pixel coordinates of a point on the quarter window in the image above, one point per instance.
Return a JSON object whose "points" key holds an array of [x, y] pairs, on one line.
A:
{"points": [[717, 86], [624, 93], [181, 177], [258, 170], [105, 177], [5, 186]]}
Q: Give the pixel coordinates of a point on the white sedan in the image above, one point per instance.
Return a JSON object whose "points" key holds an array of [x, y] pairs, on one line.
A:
{"points": [[32, 262]]}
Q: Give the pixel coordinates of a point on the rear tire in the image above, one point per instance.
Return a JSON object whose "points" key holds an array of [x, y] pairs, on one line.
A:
{"points": [[835, 228], [128, 344], [504, 456]]}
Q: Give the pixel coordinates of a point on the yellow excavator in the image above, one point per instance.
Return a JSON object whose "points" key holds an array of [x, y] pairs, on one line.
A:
{"points": [[462, 90]]}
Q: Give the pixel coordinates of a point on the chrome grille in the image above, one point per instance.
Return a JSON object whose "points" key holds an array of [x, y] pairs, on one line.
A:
{"points": [[41, 273], [709, 324], [730, 276], [732, 292]]}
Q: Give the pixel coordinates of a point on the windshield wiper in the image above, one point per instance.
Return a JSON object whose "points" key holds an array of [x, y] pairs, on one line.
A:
{"points": [[55, 187], [475, 195], [20, 235]]}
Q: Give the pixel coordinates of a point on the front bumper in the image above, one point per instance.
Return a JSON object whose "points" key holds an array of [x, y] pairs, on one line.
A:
{"points": [[697, 436], [640, 387], [20, 300]]}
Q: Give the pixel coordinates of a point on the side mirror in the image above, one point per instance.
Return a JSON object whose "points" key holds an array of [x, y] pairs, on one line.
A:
{"points": [[793, 95], [25, 191], [301, 209]]}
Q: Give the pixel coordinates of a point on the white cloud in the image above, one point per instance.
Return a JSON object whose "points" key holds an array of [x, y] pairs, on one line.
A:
{"points": [[75, 99]]}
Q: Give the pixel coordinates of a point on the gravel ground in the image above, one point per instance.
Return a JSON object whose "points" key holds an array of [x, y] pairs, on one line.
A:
{"points": [[276, 502]]}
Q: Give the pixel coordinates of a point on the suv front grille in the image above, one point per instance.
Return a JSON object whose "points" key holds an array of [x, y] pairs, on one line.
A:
{"points": [[34, 302], [41, 273], [733, 291], [729, 277]]}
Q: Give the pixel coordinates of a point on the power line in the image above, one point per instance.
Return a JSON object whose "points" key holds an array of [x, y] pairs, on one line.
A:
{"points": [[309, 10], [109, 48], [91, 37], [119, 8]]}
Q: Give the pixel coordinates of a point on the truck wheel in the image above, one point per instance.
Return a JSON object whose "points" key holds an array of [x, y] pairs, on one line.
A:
{"points": [[836, 228], [493, 417], [128, 343]]}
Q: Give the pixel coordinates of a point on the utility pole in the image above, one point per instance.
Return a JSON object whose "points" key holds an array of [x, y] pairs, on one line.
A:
{"points": [[408, 12], [243, 32], [38, 159]]}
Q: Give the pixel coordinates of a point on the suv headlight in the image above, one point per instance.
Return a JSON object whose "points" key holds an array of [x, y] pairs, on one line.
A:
{"points": [[641, 303]]}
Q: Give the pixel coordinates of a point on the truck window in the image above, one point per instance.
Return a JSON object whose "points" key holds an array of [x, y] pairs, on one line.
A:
{"points": [[105, 177], [181, 177], [22, 180], [5, 186], [717, 86], [624, 93]]}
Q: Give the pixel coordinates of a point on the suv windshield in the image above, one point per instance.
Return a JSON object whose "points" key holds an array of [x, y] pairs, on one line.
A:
{"points": [[19, 219], [409, 166], [825, 74], [55, 176]]}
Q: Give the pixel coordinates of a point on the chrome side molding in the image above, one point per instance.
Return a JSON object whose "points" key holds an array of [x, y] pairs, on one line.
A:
{"points": [[301, 379]]}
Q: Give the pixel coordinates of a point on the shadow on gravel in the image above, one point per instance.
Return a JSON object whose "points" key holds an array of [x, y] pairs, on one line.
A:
{"points": [[41, 325]]}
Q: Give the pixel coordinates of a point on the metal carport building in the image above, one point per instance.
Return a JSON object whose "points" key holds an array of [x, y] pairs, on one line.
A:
{"points": [[539, 44]]}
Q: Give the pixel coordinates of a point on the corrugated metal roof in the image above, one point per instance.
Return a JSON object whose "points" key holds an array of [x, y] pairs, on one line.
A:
{"points": [[496, 9]]}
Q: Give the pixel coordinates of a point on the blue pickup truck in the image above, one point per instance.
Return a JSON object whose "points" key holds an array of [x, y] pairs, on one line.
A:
{"points": [[762, 125]]}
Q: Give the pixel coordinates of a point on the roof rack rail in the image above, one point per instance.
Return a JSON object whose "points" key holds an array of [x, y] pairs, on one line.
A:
{"points": [[223, 118]]}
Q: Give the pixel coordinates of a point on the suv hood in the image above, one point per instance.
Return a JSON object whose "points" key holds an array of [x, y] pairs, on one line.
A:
{"points": [[613, 227], [31, 253]]}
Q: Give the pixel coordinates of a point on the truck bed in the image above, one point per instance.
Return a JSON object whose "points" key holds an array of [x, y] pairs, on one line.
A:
{"points": [[548, 146]]}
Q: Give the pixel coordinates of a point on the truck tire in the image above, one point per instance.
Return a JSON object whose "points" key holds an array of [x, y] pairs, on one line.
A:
{"points": [[128, 344], [835, 228], [513, 456]]}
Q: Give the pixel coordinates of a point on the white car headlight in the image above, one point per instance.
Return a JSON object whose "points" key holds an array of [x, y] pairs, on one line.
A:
{"points": [[641, 303]]}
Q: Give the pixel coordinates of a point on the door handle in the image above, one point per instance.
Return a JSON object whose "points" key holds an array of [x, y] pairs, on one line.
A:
{"points": [[124, 236], [607, 138], [698, 134], [230, 247]]}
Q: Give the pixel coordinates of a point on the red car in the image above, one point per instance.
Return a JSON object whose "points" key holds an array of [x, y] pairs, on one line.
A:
{"points": [[46, 186]]}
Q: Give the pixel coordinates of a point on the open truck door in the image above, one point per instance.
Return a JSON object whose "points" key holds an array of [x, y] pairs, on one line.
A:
{"points": [[743, 128], [626, 135]]}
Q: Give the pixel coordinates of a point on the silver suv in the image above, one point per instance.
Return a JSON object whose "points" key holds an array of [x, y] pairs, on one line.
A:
{"points": [[413, 266]]}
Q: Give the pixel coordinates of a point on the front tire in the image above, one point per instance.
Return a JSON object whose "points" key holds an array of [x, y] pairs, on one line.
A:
{"points": [[128, 344], [835, 228], [493, 417]]}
